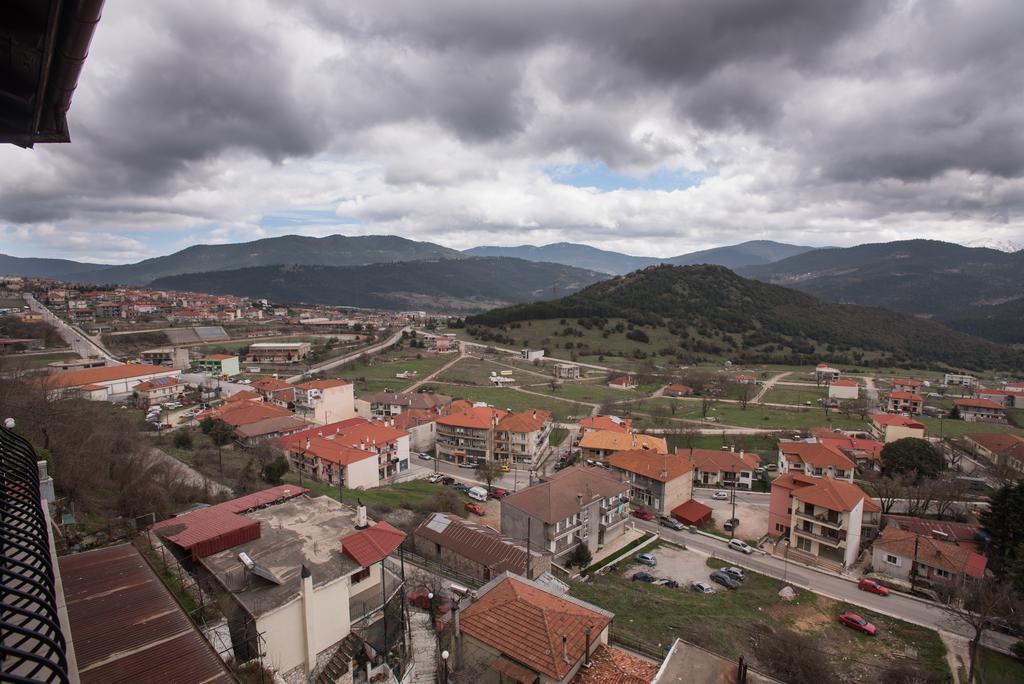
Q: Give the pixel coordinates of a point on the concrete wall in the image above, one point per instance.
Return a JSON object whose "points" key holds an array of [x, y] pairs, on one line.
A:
{"points": [[363, 474], [514, 524], [894, 432], [879, 564], [336, 403]]}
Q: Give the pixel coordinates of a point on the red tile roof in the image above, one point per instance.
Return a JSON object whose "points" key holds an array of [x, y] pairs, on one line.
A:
{"points": [[330, 451], [373, 544], [977, 403], [815, 455], [835, 495], [692, 512], [998, 443], [611, 665], [652, 465], [91, 376], [712, 461], [609, 423], [526, 624], [525, 421], [933, 552], [907, 382], [210, 530], [243, 413], [845, 383], [157, 382], [853, 447], [477, 418], [324, 384], [894, 419], [269, 384], [905, 396]]}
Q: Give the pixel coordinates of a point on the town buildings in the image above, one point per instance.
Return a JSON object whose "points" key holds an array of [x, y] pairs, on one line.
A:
{"points": [[825, 374], [889, 427], [159, 390], [175, 357], [815, 459], [713, 468], [600, 444], [905, 402], [902, 554], [579, 505], [344, 452], [219, 365], [678, 390], [105, 383], [623, 382], [567, 371], [520, 438], [659, 482], [1005, 451], [531, 354], [467, 434], [959, 380], [390, 404], [477, 550], [980, 410], [843, 389], [278, 352], [324, 401], [906, 385]]}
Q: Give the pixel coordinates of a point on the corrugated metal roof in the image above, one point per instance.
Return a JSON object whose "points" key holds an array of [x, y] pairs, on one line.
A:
{"points": [[478, 543], [126, 626]]}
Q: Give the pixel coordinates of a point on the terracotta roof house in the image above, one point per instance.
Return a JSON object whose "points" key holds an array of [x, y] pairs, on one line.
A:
{"points": [[889, 427], [600, 444], [980, 410], [905, 402], [516, 626], [966, 535], [814, 458], [113, 381], [625, 382], [520, 438], [905, 385], [477, 550], [607, 423], [713, 468], [866, 454], [898, 553], [659, 482], [1004, 450], [678, 390], [467, 435], [577, 505]]}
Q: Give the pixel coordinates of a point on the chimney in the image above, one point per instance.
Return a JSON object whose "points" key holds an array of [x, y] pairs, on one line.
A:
{"points": [[309, 629], [307, 441], [565, 649], [361, 523], [579, 500], [586, 649], [732, 449]]}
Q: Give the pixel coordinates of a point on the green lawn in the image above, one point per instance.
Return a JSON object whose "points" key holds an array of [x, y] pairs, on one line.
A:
{"points": [[19, 361], [508, 398], [753, 416], [995, 668], [955, 428], [788, 394], [414, 491], [724, 622], [557, 436], [474, 371], [590, 392], [758, 443], [375, 377]]}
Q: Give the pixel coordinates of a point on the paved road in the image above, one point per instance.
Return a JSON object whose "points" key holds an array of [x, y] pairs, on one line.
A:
{"points": [[894, 605], [80, 343], [334, 363]]}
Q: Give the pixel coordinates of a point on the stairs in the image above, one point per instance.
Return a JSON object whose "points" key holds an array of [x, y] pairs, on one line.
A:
{"points": [[424, 647], [339, 663]]}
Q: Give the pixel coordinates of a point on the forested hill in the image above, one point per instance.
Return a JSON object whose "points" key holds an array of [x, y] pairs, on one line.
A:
{"points": [[710, 308], [465, 284]]}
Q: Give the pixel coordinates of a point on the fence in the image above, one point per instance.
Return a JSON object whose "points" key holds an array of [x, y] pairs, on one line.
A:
{"points": [[440, 569]]}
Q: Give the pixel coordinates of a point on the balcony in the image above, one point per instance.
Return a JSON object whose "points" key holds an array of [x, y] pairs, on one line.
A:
{"points": [[834, 542], [822, 519]]}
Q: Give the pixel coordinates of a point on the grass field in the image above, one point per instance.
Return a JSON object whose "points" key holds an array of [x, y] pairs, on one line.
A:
{"points": [[474, 371], [726, 622], [789, 394], [380, 374], [20, 361], [995, 668], [590, 392], [764, 443], [954, 428], [507, 398], [766, 417]]}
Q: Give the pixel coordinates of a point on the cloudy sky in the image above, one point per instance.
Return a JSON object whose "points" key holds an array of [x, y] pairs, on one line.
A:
{"points": [[652, 127]]}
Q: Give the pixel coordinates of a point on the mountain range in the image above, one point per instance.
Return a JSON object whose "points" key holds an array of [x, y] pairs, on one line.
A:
{"points": [[711, 309], [753, 252], [974, 289], [465, 284]]}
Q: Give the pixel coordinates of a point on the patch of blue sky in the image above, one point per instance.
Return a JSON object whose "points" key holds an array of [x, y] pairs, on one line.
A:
{"points": [[598, 175], [306, 217]]}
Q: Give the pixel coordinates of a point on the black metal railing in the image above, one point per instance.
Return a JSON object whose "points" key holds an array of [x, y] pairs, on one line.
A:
{"points": [[32, 644]]}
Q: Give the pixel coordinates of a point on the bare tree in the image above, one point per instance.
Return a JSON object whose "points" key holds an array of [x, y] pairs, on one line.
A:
{"points": [[888, 489], [978, 604], [688, 439], [489, 471], [950, 491]]}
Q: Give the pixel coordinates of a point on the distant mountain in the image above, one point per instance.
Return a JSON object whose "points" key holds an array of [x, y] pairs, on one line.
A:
{"points": [[615, 263], [961, 285], [467, 284], [748, 253], [570, 254], [41, 268], [710, 309], [1001, 245], [333, 250]]}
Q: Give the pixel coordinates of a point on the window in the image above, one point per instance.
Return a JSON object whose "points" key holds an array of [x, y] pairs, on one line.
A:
{"points": [[361, 575], [779, 527], [944, 574], [893, 560]]}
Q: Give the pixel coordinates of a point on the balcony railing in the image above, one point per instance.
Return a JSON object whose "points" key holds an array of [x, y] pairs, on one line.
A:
{"points": [[822, 519], [823, 538], [33, 648]]}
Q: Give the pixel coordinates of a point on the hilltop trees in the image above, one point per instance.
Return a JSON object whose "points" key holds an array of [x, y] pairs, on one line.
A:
{"points": [[912, 456]]}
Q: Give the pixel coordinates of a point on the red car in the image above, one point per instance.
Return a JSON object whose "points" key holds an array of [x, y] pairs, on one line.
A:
{"points": [[420, 598], [499, 493], [854, 621], [475, 508], [873, 587], [643, 515]]}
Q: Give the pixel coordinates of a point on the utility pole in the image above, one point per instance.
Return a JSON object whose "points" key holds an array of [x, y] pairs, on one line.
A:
{"points": [[732, 525], [913, 565]]}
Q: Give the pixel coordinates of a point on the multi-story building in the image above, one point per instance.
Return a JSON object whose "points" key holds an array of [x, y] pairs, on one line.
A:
{"points": [[389, 444], [327, 461], [531, 354], [219, 364], [959, 380], [1008, 398], [980, 410], [814, 459], [906, 385], [579, 505], [567, 371], [823, 518], [520, 438], [826, 374], [278, 352], [600, 444], [902, 555], [660, 482], [467, 435], [723, 468], [391, 404], [889, 427], [905, 402], [175, 357], [324, 401], [159, 390]]}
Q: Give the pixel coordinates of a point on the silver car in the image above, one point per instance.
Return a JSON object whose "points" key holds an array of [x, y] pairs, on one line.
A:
{"points": [[702, 587]]}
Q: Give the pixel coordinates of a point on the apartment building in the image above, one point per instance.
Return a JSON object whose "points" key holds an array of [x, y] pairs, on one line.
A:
{"points": [[579, 505], [391, 404], [814, 459], [959, 380], [468, 434], [659, 482], [324, 401], [905, 402], [980, 410], [826, 374], [889, 427], [713, 468], [522, 437]]}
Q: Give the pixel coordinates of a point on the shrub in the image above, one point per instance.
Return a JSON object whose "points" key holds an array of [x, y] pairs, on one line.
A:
{"points": [[275, 470], [183, 439]]}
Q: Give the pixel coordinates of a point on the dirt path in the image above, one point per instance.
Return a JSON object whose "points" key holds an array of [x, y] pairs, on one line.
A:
{"points": [[766, 387], [416, 385]]}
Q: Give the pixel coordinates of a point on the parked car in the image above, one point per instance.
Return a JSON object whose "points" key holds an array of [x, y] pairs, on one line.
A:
{"points": [[720, 496], [470, 464], [735, 573], [505, 468], [873, 587], [854, 621], [476, 509], [731, 523], [461, 487], [643, 577], [737, 545], [499, 493], [702, 587], [725, 580], [447, 480], [435, 478], [671, 523], [772, 466], [425, 457], [646, 559], [642, 514], [420, 597], [670, 584]]}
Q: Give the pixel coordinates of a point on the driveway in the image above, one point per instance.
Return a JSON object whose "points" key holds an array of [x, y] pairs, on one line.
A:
{"points": [[753, 517], [682, 566]]}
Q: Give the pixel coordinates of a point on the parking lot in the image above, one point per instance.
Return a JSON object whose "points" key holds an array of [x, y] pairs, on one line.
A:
{"points": [[676, 564], [753, 517]]}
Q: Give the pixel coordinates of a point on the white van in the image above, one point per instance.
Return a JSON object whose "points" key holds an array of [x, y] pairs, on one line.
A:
{"points": [[478, 493]]}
